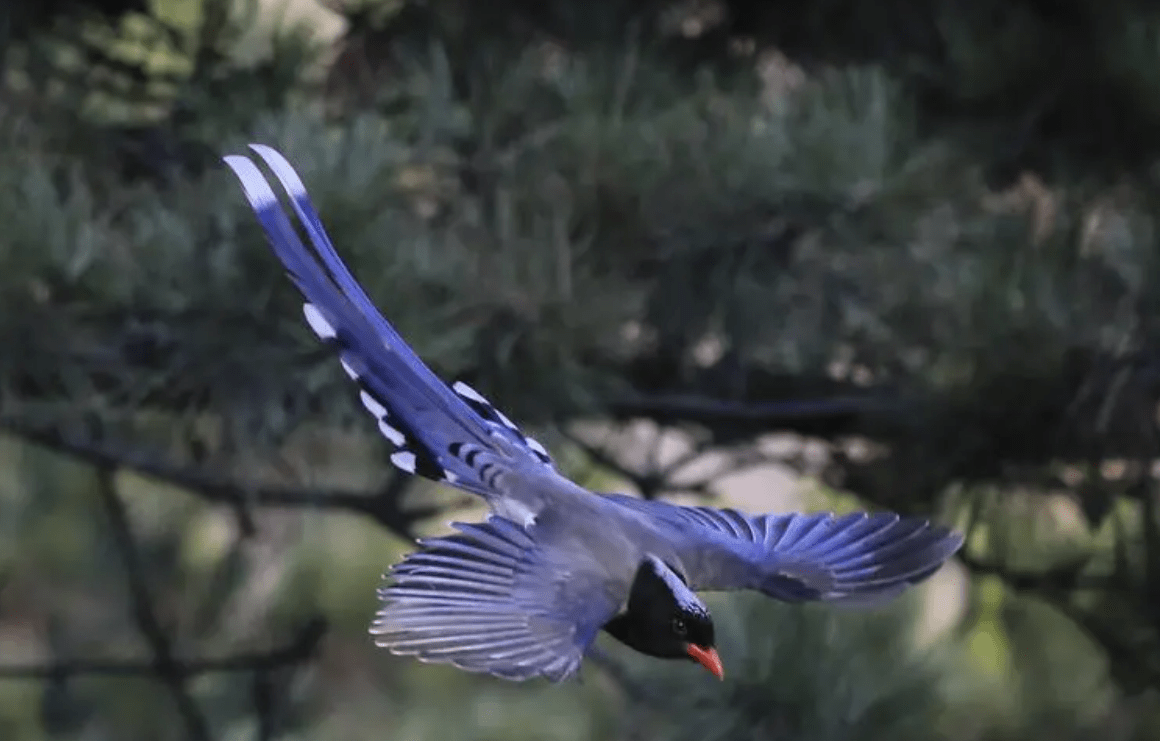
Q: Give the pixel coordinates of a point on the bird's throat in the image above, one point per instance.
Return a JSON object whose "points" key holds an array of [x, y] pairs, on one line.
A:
{"points": [[627, 630]]}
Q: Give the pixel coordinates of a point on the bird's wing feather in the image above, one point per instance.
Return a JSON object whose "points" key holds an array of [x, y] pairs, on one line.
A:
{"points": [[861, 558], [444, 433], [485, 600]]}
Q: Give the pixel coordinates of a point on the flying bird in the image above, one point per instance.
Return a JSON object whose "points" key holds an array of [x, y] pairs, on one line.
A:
{"points": [[525, 593]]}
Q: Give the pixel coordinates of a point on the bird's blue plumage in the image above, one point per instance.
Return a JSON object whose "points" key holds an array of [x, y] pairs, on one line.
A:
{"points": [[525, 593], [858, 558], [444, 433], [477, 599]]}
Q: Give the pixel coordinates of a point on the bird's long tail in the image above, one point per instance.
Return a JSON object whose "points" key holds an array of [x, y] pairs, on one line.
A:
{"points": [[443, 433]]}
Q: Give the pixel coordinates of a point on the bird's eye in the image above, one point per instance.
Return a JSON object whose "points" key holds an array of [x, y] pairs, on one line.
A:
{"points": [[679, 626]]}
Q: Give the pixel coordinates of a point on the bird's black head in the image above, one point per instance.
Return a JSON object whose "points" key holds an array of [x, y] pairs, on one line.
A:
{"points": [[664, 618]]}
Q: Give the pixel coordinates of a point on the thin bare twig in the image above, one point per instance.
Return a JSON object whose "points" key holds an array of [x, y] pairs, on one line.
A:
{"points": [[298, 650], [648, 486], [384, 508], [164, 663], [1061, 578], [705, 409]]}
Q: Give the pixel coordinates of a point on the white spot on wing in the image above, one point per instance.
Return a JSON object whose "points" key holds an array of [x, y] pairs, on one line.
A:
{"points": [[391, 433], [503, 418], [254, 185], [372, 405], [282, 169], [405, 460], [515, 511], [467, 392], [318, 322], [536, 447], [349, 370]]}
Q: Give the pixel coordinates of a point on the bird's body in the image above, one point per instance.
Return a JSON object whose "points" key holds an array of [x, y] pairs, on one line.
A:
{"points": [[525, 593]]}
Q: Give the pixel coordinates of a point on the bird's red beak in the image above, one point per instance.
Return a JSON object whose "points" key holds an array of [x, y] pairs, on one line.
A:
{"points": [[708, 658]]}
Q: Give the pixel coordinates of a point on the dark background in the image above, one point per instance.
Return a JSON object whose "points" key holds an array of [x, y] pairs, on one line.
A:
{"points": [[784, 254]]}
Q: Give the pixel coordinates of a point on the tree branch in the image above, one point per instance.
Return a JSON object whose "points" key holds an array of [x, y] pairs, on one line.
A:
{"points": [[647, 484], [300, 649], [164, 664], [1065, 577], [384, 508], [792, 414]]}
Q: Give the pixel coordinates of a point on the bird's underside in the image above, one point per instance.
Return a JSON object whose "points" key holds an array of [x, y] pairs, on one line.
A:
{"points": [[525, 593]]}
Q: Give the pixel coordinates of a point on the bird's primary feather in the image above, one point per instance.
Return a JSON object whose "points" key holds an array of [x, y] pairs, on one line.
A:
{"points": [[857, 558], [476, 599]]}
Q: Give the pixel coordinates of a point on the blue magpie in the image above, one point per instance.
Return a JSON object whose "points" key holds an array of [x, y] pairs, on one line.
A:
{"points": [[525, 593]]}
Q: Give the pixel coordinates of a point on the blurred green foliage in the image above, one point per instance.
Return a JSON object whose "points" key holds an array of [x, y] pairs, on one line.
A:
{"points": [[940, 213]]}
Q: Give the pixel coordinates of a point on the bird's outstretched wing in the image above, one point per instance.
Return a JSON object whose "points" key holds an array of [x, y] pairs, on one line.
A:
{"points": [[486, 600], [861, 558], [450, 434]]}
